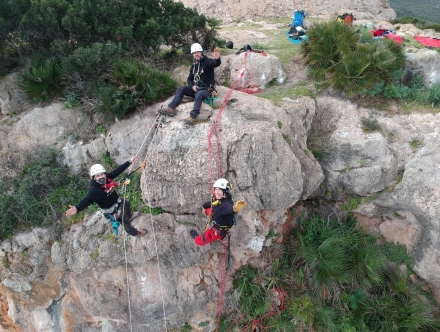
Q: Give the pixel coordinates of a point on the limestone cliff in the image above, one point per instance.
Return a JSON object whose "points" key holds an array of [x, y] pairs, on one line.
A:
{"points": [[230, 9]]}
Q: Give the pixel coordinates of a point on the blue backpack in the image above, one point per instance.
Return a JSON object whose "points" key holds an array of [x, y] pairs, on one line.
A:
{"points": [[298, 18]]}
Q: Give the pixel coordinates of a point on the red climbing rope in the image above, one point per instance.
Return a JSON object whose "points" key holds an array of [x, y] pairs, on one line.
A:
{"points": [[216, 126], [237, 84], [222, 276], [276, 306]]}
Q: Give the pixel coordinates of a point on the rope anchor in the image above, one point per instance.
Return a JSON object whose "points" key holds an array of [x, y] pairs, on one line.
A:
{"points": [[160, 120]]}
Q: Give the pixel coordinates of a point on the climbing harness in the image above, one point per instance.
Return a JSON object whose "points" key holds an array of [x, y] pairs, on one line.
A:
{"points": [[114, 214]]}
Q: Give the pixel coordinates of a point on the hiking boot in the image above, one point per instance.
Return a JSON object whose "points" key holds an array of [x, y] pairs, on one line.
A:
{"points": [[167, 111], [190, 121], [141, 232], [193, 233], [135, 215]]}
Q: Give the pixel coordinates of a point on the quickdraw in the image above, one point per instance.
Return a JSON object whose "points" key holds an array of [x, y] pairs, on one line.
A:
{"points": [[160, 120]]}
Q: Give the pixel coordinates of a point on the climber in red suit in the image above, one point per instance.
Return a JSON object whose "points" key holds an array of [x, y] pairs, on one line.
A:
{"points": [[222, 211]]}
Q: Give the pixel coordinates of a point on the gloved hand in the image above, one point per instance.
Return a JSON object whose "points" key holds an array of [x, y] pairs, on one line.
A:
{"points": [[239, 206], [206, 212]]}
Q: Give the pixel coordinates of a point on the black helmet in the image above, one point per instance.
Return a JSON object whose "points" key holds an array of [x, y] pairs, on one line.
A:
{"points": [[247, 47], [230, 44]]}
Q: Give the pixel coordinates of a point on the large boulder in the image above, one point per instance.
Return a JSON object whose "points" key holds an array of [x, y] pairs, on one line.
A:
{"points": [[424, 63], [251, 69], [256, 155]]}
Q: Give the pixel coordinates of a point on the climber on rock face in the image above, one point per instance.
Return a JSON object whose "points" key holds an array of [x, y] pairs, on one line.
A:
{"points": [[201, 83], [221, 210], [102, 191]]}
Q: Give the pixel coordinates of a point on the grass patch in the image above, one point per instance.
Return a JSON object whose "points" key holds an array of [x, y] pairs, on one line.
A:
{"points": [[370, 125], [95, 254], [352, 204], [110, 238], [277, 92], [154, 211], [276, 41], [415, 144]]}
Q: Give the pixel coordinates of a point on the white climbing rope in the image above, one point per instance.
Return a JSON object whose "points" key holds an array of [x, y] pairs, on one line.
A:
{"points": [[124, 190]]}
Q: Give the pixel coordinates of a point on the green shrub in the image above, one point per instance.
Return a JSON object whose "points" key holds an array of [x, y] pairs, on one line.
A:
{"points": [[335, 278], [334, 55], [327, 44], [145, 82], [39, 195], [108, 162], [42, 80], [88, 63], [397, 253], [113, 102], [418, 22], [433, 97]]}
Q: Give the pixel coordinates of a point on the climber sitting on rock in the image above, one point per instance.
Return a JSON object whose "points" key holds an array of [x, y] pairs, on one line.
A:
{"points": [[201, 83], [221, 210], [103, 192]]}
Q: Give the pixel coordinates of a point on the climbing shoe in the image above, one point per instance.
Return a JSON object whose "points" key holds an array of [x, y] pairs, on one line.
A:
{"points": [[193, 233], [135, 215], [190, 121], [141, 232], [167, 111]]}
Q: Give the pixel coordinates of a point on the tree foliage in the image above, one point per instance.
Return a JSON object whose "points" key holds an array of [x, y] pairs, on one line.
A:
{"points": [[56, 28], [82, 47]]}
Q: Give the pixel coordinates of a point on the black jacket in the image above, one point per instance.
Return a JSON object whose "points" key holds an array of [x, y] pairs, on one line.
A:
{"points": [[223, 213], [97, 195], [205, 68]]}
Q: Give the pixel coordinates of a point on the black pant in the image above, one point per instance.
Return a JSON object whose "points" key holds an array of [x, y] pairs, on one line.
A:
{"points": [[198, 96], [126, 215]]}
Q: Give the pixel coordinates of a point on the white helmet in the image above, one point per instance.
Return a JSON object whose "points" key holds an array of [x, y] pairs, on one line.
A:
{"points": [[196, 48], [222, 184], [96, 169]]}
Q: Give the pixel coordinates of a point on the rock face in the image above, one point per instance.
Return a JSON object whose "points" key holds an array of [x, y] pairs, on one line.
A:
{"points": [[82, 277], [88, 279], [228, 9], [357, 163], [11, 96]]}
